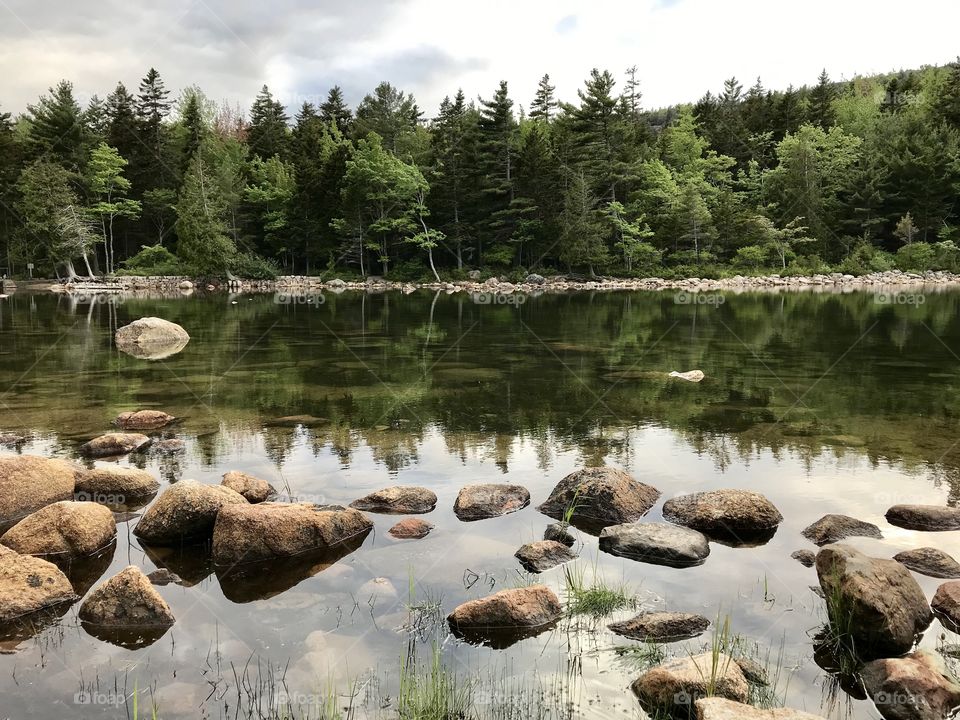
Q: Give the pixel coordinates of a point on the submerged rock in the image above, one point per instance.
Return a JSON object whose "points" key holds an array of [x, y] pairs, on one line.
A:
{"points": [[163, 576], [114, 444], [946, 604], [560, 532], [29, 585], [599, 497], [400, 499], [126, 601], [28, 482], [929, 561], [924, 517], [168, 446], [915, 687], [12, 439], [251, 533], [542, 555], [674, 686], [411, 529], [689, 375], [883, 605], [252, 488], [506, 615], [185, 512], [661, 627], [833, 528], [143, 420], [714, 708], [115, 485], [656, 543], [736, 514], [151, 338], [62, 531], [479, 502], [807, 558]]}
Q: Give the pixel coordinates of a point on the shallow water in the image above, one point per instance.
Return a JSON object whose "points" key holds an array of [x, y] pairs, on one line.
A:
{"points": [[823, 402]]}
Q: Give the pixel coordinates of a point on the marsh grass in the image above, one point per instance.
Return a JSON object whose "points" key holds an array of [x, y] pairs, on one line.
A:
{"points": [[424, 615], [432, 692], [835, 638], [596, 598], [640, 657]]}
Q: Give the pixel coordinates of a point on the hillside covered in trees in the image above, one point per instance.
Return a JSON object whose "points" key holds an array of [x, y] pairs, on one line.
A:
{"points": [[858, 176]]}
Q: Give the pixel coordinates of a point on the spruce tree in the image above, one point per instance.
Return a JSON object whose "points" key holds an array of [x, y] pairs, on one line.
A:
{"points": [[821, 111], [122, 130], [56, 131], [544, 103], [498, 131], [946, 105], [268, 133], [334, 110]]}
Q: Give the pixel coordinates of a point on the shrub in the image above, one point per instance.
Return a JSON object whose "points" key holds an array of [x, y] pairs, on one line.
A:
{"points": [[915, 257], [866, 258], [152, 260], [251, 266]]}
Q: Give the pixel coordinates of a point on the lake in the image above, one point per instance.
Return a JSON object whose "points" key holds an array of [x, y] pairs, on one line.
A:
{"points": [[824, 402]]}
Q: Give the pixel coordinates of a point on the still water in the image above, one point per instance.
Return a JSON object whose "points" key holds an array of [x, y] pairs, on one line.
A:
{"points": [[826, 403]]}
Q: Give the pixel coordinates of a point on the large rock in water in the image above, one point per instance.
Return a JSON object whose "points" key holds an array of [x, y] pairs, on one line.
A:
{"points": [[28, 482], [833, 528], [411, 529], [735, 514], [63, 531], [251, 533], [185, 512], [114, 445], [479, 502], [929, 561], [915, 687], [29, 585], [599, 497], [143, 420], [887, 609], [924, 517], [116, 486], [508, 614], [674, 686], [661, 627], [656, 543], [400, 499], [946, 604], [128, 600], [542, 555], [151, 338], [715, 708], [252, 488]]}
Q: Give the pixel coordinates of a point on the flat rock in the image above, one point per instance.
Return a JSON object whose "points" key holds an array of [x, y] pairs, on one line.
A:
{"points": [[265, 531], [929, 561], [163, 576], [833, 528], [28, 482], [887, 608], [63, 530], [400, 499], [127, 600], [946, 604], [479, 502], [661, 627], [252, 488], [507, 611], [714, 708], [143, 420], [168, 446], [674, 686], [915, 687], [185, 512], [114, 444], [151, 338], [115, 485], [724, 513], [411, 529], [560, 532], [542, 555], [656, 543], [29, 584], [807, 558], [924, 517], [600, 496]]}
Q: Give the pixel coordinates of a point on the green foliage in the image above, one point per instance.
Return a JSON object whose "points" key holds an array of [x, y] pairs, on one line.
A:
{"points": [[864, 259], [251, 266], [204, 246], [151, 260]]}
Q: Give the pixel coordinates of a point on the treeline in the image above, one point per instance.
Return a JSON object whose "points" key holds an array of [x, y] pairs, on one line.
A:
{"points": [[857, 176]]}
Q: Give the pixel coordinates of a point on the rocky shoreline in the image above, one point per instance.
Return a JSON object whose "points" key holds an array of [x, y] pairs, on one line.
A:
{"points": [[533, 284]]}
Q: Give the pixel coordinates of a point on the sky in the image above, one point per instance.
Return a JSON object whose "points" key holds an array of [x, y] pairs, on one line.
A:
{"points": [[682, 48]]}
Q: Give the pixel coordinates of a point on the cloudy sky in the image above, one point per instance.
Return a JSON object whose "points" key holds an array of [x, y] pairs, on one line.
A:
{"points": [[430, 47]]}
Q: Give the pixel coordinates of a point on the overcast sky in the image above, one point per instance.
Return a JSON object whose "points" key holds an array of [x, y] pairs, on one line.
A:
{"points": [[682, 48]]}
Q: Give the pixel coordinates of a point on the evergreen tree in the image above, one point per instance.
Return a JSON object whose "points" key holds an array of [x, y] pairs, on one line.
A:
{"points": [[388, 112], [122, 131], [544, 103], [582, 236], [334, 110], [204, 244], [268, 132], [95, 119], [56, 130], [498, 134], [193, 126], [822, 113], [946, 104], [153, 107]]}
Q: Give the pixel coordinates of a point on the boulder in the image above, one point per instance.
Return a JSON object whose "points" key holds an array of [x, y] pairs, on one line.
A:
{"points": [[559, 531], [884, 606], [924, 517], [115, 485], [185, 285], [400, 499], [29, 585], [28, 482], [252, 488], [143, 420], [599, 497], [674, 686], [534, 279], [163, 576], [479, 502], [736, 514], [661, 627], [128, 600], [833, 528], [915, 687], [689, 375], [151, 338], [946, 604], [715, 708], [168, 446], [656, 543], [929, 561], [807, 558], [114, 444], [540, 556], [63, 530], [507, 611], [411, 529], [185, 512], [265, 531]]}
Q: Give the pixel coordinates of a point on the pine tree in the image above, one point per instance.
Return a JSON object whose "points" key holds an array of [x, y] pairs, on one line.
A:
{"points": [[193, 126], [582, 233], [334, 110], [203, 243], [946, 105], [822, 113], [599, 133], [95, 118], [153, 107], [268, 134], [498, 133], [388, 112], [122, 132], [544, 103], [56, 131]]}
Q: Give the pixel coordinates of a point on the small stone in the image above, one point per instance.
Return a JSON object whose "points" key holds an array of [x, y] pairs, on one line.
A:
{"points": [[115, 485], [163, 576], [807, 558], [917, 686], [929, 561], [143, 420], [833, 528], [559, 532], [924, 517], [674, 686], [507, 611], [946, 604], [661, 627], [479, 502], [185, 512], [714, 708], [400, 499], [169, 446], [126, 601], [114, 445], [727, 513], [600, 496], [151, 339], [28, 483], [411, 529], [252, 488], [656, 543], [538, 557]]}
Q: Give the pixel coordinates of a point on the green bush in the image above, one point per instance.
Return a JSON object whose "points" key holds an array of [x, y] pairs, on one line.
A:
{"points": [[251, 266], [864, 259], [915, 257], [806, 265], [152, 260]]}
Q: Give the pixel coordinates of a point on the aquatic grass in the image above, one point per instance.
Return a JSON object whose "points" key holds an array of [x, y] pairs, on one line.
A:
{"points": [[835, 638], [432, 692], [598, 598], [572, 506], [423, 615], [640, 657]]}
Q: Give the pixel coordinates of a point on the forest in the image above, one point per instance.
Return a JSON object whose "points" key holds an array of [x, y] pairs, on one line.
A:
{"points": [[853, 176]]}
